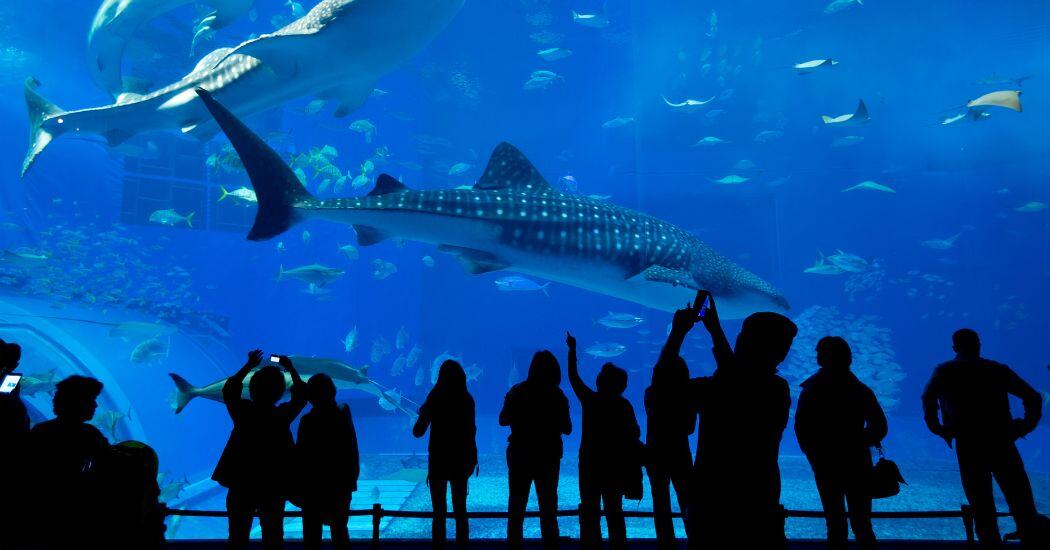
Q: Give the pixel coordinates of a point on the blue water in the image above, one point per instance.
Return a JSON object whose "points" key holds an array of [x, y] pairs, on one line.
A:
{"points": [[87, 205]]}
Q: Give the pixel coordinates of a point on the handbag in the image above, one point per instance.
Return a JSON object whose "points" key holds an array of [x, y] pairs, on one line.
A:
{"points": [[886, 477]]}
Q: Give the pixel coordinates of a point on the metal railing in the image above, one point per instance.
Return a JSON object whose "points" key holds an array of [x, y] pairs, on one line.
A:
{"points": [[377, 512]]}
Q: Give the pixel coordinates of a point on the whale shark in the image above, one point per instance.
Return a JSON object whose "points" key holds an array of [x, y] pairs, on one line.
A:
{"points": [[511, 219], [117, 21], [337, 51]]}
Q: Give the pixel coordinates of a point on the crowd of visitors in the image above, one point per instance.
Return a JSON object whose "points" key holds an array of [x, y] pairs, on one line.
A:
{"points": [[68, 487]]}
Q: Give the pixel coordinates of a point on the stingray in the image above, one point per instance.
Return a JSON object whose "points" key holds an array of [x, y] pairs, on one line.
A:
{"points": [[860, 116]]}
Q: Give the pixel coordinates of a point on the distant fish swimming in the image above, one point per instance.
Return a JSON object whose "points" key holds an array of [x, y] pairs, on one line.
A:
{"points": [[512, 219], [860, 116], [317, 54], [807, 67]]}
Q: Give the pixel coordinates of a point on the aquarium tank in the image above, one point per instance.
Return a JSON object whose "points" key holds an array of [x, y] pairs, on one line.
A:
{"points": [[878, 171]]}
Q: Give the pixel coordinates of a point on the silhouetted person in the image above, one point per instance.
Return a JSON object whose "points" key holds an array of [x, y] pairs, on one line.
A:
{"points": [[62, 459], [538, 415], [670, 420], [328, 462], [130, 497], [743, 407], [254, 466], [837, 421], [14, 429], [972, 396], [449, 414], [608, 451]]}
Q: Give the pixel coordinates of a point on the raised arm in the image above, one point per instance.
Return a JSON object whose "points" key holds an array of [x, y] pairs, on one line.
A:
{"points": [[719, 343], [1030, 398], [579, 387], [234, 386], [298, 400]]}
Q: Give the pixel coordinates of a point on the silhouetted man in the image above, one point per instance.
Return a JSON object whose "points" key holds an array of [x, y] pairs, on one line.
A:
{"points": [[743, 407], [329, 464], [837, 421], [255, 464], [609, 449], [537, 412], [63, 456], [670, 420], [449, 414], [972, 395], [14, 429]]}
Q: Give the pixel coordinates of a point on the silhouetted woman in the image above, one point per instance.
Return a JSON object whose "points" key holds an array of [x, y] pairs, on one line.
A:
{"points": [[254, 465], [837, 421], [449, 413], [328, 463], [670, 420], [609, 449], [537, 412]]}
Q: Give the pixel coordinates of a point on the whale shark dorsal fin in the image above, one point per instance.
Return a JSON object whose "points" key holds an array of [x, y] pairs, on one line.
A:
{"points": [[508, 168], [387, 184]]}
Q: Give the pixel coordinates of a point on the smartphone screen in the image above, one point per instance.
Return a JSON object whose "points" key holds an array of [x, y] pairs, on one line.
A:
{"points": [[275, 358], [10, 383], [706, 306]]}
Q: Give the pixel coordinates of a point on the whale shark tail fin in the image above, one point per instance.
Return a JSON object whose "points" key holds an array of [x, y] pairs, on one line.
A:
{"points": [[184, 392], [41, 129], [277, 188]]}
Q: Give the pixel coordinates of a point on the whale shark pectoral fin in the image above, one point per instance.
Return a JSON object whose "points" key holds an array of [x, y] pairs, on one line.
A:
{"points": [[474, 261], [367, 235], [508, 168], [660, 274], [348, 97]]}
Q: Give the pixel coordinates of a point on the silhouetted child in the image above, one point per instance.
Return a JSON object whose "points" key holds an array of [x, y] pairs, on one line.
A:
{"points": [[537, 412], [609, 452], [449, 413], [972, 395], [255, 464], [670, 420], [328, 463], [130, 501], [62, 462], [743, 408], [837, 421], [14, 430]]}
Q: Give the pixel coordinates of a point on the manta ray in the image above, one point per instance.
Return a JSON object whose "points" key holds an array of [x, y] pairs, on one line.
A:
{"points": [[512, 219], [337, 51], [117, 21], [860, 116]]}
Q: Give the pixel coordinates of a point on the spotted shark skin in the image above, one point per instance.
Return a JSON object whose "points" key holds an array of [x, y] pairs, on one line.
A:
{"points": [[337, 51], [513, 219]]}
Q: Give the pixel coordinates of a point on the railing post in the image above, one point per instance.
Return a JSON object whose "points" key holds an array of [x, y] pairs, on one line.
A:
{"points": [[967, 517], [377, 516]]}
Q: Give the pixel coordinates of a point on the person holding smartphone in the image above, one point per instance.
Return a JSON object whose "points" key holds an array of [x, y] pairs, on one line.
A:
{"points": [[255, 464], [14, 428], [734, 499]]}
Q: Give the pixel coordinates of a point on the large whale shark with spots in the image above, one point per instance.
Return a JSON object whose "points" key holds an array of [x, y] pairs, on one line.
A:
{"points": [[512, 219], [337, 51]]}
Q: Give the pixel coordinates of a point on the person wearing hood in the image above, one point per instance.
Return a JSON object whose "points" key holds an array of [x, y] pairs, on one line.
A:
{"points": [[837, 420]]}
